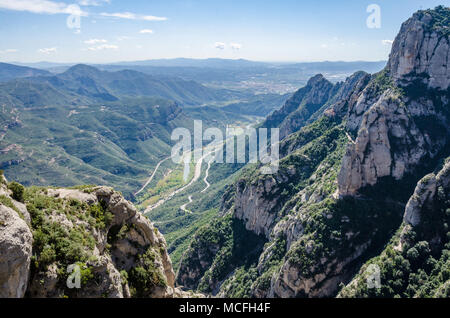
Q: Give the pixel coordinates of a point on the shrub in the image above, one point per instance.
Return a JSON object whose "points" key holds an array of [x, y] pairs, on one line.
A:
{"points": [[144, 277], [8, 202], [17, 190]]}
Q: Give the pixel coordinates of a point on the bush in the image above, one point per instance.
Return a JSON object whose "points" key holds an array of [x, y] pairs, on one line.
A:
{"points": [[17, 190], [147, 275]]}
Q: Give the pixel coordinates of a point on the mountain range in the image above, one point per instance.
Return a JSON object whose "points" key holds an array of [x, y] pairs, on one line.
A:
{"points": [[359, 207], [362, 192]]}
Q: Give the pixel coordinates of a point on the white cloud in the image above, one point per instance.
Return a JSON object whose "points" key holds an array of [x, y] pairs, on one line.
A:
{"points": [[324, 46], [94, 3], [95, 41], [387, 42], [41, 7], [123, 38], [103, 47], [219, 45], [47, 50], [132, 16], [146, 31], [236, 46], [8, 51]]}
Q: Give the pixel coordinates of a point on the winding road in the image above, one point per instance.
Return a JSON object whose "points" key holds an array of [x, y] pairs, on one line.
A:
{"points": [[205, 179], [197, 174], [151, 177], [183, 207]]}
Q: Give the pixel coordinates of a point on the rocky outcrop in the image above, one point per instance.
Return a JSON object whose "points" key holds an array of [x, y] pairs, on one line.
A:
{"points": [[401, 117], [297, 111], [323, 281], [424, 194], [15, 253], [422, 47], [425, 229], [15, 244], [137, 237], [258, 204], [123, 254]]}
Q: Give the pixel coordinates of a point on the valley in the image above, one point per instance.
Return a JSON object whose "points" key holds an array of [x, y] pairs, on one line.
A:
{"points": [[353, 203]]}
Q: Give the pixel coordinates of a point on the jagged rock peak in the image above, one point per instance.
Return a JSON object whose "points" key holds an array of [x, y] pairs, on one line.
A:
{"points": [[422, 49], [389, 115]]}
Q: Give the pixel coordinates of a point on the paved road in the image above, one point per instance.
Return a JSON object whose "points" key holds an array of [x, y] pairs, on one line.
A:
{"points": [[197, 174], [151, 177]]}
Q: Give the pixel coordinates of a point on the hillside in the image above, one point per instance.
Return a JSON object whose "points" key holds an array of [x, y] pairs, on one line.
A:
{"points": [[350, 189], [100, 85], [87, 126], [9, 72]]}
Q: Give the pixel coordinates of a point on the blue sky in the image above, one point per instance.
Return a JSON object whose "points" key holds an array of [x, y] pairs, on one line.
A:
{"points": [[263, 30]]}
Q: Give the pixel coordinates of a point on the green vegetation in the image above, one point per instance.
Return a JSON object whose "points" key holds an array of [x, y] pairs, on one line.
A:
{"points": [[55, 243], [381, 82], [6, 201], [17, 190], [417, 267], [178, 226], [336, 229], [440, 20], [75, 133], [171, 181], [236, 246], [239, 285], [144, 277]]}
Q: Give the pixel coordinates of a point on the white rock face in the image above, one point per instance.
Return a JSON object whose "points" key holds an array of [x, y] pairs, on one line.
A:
{"points": [[323, 281], [15, 253], [382, 116], [389, 141], [424, 194], [420, 49], [254, 208]]}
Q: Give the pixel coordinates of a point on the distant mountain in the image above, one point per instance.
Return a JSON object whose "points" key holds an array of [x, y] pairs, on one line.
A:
{"points": [[186, 62], [89, 84], [87, 126], [236, 74], [43, 64], [257, 77], [339, 66], [9, 72]]}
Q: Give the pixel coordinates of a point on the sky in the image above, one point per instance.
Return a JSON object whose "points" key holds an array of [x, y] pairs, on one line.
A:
{"points": [[105, 31]]}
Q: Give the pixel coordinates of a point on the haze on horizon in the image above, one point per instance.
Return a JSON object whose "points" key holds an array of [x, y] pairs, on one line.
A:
{"points": [[277, 31]]}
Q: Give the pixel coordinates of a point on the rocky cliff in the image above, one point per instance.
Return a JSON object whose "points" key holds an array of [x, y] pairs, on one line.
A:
{"points": [[415, 262], [344, 180], [299, 109], [92, 235], [401, 118]]}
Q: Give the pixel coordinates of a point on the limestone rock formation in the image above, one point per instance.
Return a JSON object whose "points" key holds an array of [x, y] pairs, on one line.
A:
{"points": [[422, 47], [320, 225], [115, 250], [425, 193], [15, 253], [298, 110], [401, 117]]}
